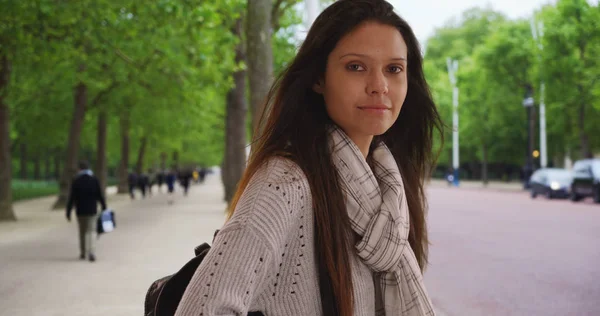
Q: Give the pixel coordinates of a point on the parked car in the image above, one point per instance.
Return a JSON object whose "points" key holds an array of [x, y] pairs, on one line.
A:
{"points": [[551, 183], [586, 180]]}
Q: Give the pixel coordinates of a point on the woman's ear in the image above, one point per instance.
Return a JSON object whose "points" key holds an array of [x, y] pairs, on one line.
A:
{"points": [[318, 86]]}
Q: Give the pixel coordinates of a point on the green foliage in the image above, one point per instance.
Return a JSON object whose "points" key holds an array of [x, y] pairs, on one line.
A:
{"points": [[285, 43], [497, 59], [166, 64]]}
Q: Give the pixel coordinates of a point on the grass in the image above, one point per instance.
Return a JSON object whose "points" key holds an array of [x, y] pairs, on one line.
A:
{"points": [[31, 189]]}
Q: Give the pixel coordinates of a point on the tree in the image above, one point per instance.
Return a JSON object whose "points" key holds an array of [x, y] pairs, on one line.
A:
{"points": [[6, 211], [88, 55], [260, 55], [13, 41], [283, 16], [572, 72], [498, 59], [129, 78], [493, 87], [458, 39], [235, 141]]}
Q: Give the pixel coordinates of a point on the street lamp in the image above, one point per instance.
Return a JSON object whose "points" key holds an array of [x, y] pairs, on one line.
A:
{"points": [[528, 103], [537, 31], [452, 68]]}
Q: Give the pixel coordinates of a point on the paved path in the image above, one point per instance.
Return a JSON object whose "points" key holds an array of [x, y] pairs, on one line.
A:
{"points": [[42, 275]]}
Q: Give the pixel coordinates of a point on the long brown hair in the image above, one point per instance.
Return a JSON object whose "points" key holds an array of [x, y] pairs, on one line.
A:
{"points": [[294, 125]]}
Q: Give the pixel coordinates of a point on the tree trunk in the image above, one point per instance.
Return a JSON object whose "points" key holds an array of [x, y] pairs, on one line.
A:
{"points": [[583, 136], [23, 160], [6, 210], [176, 160], [57, 161], [47, 166], [484, 165], [70, 167], [37, 167], [163, 161], [260, 56], [235, 127], [101, 167], [124, 166], [139, 166]]}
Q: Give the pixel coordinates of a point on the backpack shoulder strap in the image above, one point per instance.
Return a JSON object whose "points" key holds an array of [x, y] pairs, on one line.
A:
{"points": [[328, 302]]}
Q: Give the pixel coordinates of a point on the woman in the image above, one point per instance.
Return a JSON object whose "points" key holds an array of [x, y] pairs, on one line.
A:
{"points": [[347, 125]]}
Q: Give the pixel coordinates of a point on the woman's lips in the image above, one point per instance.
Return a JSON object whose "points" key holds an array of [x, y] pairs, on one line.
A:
{"points": [[375, 109]]}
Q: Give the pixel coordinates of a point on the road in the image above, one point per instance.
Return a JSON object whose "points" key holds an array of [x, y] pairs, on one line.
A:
{"points": [[493, 252], [502, 253]]}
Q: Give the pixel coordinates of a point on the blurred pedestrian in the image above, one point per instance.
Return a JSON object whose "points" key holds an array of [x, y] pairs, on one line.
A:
{"points": [[143, 183], [170, 180], [160, 179], [151, 180], [132, 181], [185, 177], [85, 194], [202, 174]]}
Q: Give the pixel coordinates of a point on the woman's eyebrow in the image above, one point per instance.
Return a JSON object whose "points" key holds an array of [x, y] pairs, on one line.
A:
{"points": [[367, 56]]}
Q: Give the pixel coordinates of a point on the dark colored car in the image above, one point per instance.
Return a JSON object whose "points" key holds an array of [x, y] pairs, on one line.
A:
{"points": [[551, 183], [586, 180]]}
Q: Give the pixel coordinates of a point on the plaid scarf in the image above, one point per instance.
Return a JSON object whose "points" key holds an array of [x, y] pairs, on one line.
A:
{"points": [[378, 211]]}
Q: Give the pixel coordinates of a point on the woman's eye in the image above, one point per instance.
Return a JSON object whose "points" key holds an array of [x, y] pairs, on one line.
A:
{"points": [[355, 67], [395, 69]]}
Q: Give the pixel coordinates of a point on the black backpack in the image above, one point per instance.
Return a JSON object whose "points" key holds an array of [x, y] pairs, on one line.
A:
{"points": [[164, 295]]}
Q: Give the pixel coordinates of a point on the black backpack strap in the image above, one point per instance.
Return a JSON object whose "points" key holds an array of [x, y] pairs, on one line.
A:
{"points": [[328, 302]]}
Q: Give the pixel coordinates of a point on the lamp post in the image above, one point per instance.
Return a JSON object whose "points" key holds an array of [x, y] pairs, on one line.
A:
{"points": [[528, 103], [537, 31], [452, 68]]}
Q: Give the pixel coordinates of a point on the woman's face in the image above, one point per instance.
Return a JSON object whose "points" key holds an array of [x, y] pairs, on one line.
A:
{"points": [[365, 81]]}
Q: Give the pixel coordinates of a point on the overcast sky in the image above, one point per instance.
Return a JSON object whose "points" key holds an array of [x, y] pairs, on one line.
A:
{"points": [[425, 15]]}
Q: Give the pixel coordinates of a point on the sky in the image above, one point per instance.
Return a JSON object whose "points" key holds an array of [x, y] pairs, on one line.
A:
{"points": [[424, 16]]}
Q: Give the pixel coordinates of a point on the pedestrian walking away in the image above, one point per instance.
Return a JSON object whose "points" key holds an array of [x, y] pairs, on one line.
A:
{"points": [[132, 181], [160, 179], [143, 183], [170, 180], [85, 194], [185, 177], [151, 180]]}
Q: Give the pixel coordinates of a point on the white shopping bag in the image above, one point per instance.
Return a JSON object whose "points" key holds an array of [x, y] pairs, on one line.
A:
{"points": [[106, 221]]}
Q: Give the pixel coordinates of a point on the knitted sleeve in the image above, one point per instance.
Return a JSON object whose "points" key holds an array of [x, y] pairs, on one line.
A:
{"points": [[245, 251]]}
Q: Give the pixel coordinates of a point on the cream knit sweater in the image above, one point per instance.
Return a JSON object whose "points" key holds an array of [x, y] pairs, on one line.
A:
{"points": [[263, 258]]}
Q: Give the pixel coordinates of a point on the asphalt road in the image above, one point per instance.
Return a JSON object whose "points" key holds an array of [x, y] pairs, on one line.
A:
{"points": [[502, 253]]}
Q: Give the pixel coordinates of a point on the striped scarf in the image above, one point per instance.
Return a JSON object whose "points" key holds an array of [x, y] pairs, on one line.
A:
{"points": [[378, 212]]}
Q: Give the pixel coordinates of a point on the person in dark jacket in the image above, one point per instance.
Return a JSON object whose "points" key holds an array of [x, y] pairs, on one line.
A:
{"points": [[170, 179], [160, 179], [143, 183], [132, 181], [85, 195], [185, 177]]}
